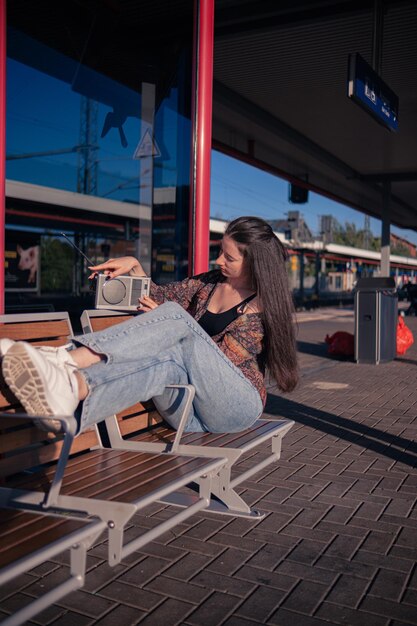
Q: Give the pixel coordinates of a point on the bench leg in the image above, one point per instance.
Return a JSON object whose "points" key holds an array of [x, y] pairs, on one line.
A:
{"points": [[226, 500], [76, 581]]}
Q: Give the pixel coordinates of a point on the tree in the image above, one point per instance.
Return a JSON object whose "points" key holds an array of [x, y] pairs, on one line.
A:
{"points": [[349, 235], [57, 260]]}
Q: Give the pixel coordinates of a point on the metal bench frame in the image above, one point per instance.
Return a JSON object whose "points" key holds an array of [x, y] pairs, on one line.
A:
{"points": [[112, 515], [77, 542], [227, 500]]}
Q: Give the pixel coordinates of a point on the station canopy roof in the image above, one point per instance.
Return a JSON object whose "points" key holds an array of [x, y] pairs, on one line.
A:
{"points": [[280, 97], [280, 82]]}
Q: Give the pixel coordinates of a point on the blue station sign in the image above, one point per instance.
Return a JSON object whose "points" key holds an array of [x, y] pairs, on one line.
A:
{"points": [[368, 90]]}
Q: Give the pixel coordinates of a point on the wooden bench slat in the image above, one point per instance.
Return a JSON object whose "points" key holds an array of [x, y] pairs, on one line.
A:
{"points": [[110, 469], [130, 472], [45, 329], [42, 533], [101, 323], [44, 454], [76, 467]]}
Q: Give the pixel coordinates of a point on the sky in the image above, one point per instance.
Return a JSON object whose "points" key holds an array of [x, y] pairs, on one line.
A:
{"points": [[240, 189]]}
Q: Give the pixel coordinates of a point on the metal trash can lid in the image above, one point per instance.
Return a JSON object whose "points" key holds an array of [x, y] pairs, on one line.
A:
{"points": [[381, 282]]}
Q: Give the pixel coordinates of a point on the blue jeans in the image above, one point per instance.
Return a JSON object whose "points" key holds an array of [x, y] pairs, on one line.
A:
{"points": [[162, 347]]}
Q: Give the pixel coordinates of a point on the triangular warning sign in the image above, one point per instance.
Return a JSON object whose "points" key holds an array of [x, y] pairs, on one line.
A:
{"points": [[147, 146]]}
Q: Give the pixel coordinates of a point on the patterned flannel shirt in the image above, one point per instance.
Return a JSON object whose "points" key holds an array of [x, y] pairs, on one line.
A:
{"points": [[241, 341]]}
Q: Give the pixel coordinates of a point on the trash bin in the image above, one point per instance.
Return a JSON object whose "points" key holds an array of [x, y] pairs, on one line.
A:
{"points": [[376, 314]]}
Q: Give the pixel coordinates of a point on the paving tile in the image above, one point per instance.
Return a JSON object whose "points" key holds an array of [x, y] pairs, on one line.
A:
{"points": [[261, 604], [122, 615], [348, 591], [378, 542], [407, 538], [331, 563], [186, 544], [274, 522], [283, 617], [267, 578], [102, 575], [205, 529], [171, 552], [19, 600], [310, 516], [393, 563], [269, 556], [229, 561], [178, 589], [131, 595], [307, 551], [339, 514], [43, 569], [343, 547], [314, 574], [410, 597], [144, 571], [390, 609], [213, 581], [413, 578], [248, 544], [401, 507], [214, 610], [187, 567], [15, 585], [170, 612], [71, 618], [336, 614], [335, 528], [389, 584], [305, 597], [293, 533], [238, 621], [369, 510]]}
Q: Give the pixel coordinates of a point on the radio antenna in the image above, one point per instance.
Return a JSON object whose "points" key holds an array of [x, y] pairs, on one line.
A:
{"points": [[77, 248]]}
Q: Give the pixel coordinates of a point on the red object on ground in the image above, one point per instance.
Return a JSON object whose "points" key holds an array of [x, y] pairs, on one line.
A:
{"points": [[340, 343], [405, 337]]}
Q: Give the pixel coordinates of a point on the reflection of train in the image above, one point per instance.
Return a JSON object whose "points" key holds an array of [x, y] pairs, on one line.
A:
{"points": [[103, 228], [328, 272]]}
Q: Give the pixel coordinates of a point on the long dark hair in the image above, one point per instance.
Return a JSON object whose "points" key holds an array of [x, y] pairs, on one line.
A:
{"points": [[265, 257]]}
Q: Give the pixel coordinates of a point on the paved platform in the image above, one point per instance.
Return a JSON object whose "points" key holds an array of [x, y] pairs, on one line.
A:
{"points": [[338, 544]]}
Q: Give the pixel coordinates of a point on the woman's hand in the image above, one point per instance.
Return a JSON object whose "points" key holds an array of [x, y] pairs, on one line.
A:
{"points": [[146, 304], [125, 265]]}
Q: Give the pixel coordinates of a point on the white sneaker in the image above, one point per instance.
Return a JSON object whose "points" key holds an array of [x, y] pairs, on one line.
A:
{"points": [[42, 380]]}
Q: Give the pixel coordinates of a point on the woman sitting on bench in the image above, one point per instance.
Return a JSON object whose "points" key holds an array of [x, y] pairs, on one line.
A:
{"points": [[218, 331]]}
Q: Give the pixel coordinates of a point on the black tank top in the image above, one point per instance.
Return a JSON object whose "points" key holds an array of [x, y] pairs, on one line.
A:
{"points": [[215, 323]]}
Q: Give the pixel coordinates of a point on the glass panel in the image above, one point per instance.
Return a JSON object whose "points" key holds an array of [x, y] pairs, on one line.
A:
{"points": [[98, 143]]}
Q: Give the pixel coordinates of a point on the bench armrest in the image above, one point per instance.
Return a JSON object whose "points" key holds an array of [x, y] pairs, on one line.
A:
{"points": [[190, 391], [69, 426]]}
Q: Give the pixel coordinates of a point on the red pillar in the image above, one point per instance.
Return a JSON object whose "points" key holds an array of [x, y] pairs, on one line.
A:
{"points": [[202, 131], [2, 144]]}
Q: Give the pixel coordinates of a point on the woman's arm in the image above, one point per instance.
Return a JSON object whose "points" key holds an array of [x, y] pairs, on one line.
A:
{"points": [[125, 265]]}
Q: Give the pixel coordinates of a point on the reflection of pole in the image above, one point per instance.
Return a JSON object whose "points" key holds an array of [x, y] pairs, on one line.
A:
{"points": [[146, 165], [2, 144], [87, 161]]}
